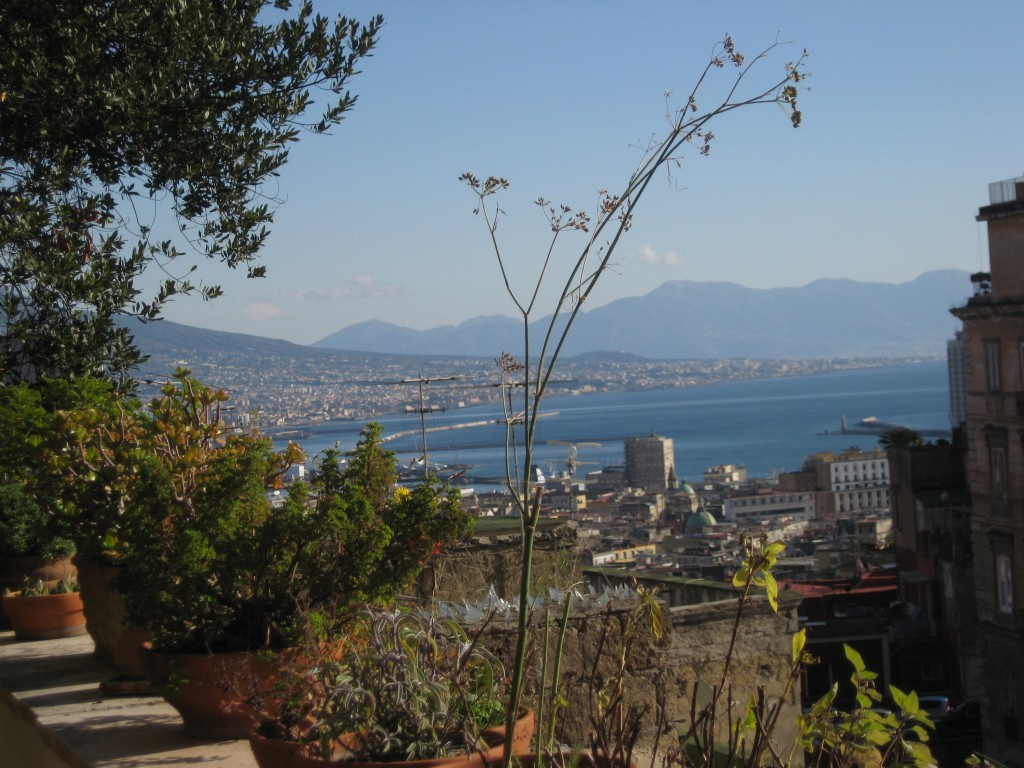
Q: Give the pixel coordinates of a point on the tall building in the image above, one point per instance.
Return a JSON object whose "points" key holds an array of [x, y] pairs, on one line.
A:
{"points": [[993, 346], [650, 463]]}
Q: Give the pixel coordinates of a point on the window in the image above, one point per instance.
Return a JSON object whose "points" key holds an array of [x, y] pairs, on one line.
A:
{"points": [[1004, 583], [993, 373], [997, 465]]}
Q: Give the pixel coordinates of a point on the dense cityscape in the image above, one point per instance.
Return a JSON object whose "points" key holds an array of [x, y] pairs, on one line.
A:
{"points": [[289, 390]]}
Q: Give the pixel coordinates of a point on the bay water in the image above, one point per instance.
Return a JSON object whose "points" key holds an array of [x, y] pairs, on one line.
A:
{"points": [[766, 425]]}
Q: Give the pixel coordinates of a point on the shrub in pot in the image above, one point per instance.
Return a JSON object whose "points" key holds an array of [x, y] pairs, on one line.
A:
{"points": [[30, 543], [209, 565], [29, 548], [74, 446], [411, 688]]}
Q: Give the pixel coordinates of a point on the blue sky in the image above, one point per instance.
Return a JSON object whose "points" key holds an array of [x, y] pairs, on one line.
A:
{"points": [[913, 108]]}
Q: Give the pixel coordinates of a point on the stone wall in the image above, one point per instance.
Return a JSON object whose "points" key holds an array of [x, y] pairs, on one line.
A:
{"points": [[698, 617], [492, 558]]}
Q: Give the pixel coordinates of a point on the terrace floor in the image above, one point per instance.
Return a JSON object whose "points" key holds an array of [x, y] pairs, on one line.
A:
{"points": [[53, 715]]}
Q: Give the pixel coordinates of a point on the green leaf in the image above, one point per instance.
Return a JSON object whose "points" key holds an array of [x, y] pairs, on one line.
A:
{"points": [[771, 589], [741, 577], [772, 550], [799, 641], [878, 736], [854, 658]]}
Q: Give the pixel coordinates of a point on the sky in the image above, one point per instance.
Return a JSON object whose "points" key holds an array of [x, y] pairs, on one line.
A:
{"points": [[912, 109]]}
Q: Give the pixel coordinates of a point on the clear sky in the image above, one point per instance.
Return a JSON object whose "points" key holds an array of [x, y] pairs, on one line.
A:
{"points": [[915, 106]]}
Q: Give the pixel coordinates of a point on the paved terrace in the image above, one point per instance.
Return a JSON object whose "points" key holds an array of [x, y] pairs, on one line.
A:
{"points": [[53, 715]]}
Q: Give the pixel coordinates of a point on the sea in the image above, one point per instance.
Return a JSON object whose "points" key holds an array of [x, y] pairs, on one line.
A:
{"points": [[766, 425]]}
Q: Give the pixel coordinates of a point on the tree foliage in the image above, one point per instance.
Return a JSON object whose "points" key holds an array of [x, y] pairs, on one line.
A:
{"points": [[114, 111], [900, 437]]}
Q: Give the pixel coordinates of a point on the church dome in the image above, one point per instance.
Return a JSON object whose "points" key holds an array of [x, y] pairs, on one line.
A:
{"points": [[700, 520]]}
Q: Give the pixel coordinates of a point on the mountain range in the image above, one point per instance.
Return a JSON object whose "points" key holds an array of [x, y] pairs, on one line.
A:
{"points": [[714, 320]]}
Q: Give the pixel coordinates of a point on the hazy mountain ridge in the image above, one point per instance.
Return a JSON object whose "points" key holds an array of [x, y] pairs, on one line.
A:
{"points": [[686, 320]]}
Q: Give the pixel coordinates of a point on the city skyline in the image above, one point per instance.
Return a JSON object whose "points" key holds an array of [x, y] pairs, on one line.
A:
{"points": [[904, 127]]}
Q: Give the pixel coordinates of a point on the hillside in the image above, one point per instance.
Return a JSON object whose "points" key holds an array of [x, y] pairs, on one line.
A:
{"points": [[693, 320]]}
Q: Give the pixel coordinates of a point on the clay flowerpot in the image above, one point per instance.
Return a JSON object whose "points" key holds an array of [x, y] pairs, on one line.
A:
{"points": [[273, 753], [522, 735], [45, 617], [115, 642], [14, 571], [213, 692], [564, 759]]}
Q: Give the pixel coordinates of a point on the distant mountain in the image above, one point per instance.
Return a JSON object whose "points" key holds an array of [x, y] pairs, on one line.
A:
{"points": [[685, 319]]}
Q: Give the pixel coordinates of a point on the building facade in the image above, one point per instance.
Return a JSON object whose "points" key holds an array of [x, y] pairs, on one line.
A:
{"points": [[769, 506], [650, 463], [860, 483], [993, 348]]}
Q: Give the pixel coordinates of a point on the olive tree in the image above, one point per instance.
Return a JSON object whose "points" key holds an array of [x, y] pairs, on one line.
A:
{"points": [[115, 111]]}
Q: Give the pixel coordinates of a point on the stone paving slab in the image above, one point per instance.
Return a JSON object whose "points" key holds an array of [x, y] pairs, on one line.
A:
{"points": [[51, 691]]}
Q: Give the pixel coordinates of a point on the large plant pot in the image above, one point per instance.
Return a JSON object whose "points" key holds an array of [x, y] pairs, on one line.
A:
{"points": [[14, 571], [115, 642], [45, 617], [274, 753], [215, 694], [522, 735]]}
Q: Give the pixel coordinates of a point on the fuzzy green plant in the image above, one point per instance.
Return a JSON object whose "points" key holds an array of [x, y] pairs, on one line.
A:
{"points": [[412, 687]]}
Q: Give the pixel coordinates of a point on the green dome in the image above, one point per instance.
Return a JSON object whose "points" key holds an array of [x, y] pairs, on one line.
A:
{"points": [[700, 520], [687, 489]]}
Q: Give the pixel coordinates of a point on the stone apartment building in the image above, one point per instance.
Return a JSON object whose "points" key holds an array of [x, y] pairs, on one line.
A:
{"points": [[650, 463], [993, 350]]}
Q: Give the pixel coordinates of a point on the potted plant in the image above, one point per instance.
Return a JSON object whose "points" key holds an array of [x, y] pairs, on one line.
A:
{"points": [[31, 545], [221, 577], [29, 549], [42, 611], [64, 442], [412, 688]]}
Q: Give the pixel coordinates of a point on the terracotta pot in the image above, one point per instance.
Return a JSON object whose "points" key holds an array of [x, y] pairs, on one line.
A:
{"points": [[14, 570], [115, 642], [212, 692], [273, 753], [557, 760], [277, 753], [522, 735], [45, 617]]}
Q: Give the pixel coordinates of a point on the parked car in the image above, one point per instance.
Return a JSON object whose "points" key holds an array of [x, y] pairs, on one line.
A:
{"points": [[964, 718], [938, 707]]}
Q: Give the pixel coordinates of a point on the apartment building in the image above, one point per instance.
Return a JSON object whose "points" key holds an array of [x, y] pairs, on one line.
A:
{"points": [[993, 349]]}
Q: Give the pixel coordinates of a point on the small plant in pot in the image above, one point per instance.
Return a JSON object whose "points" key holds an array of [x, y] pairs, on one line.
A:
{"points": [[29, 548], [411, 688], [45, 611]]}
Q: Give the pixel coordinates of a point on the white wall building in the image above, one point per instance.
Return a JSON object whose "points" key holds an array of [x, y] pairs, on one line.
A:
{"points": [[769, 506], [860, 483]]}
